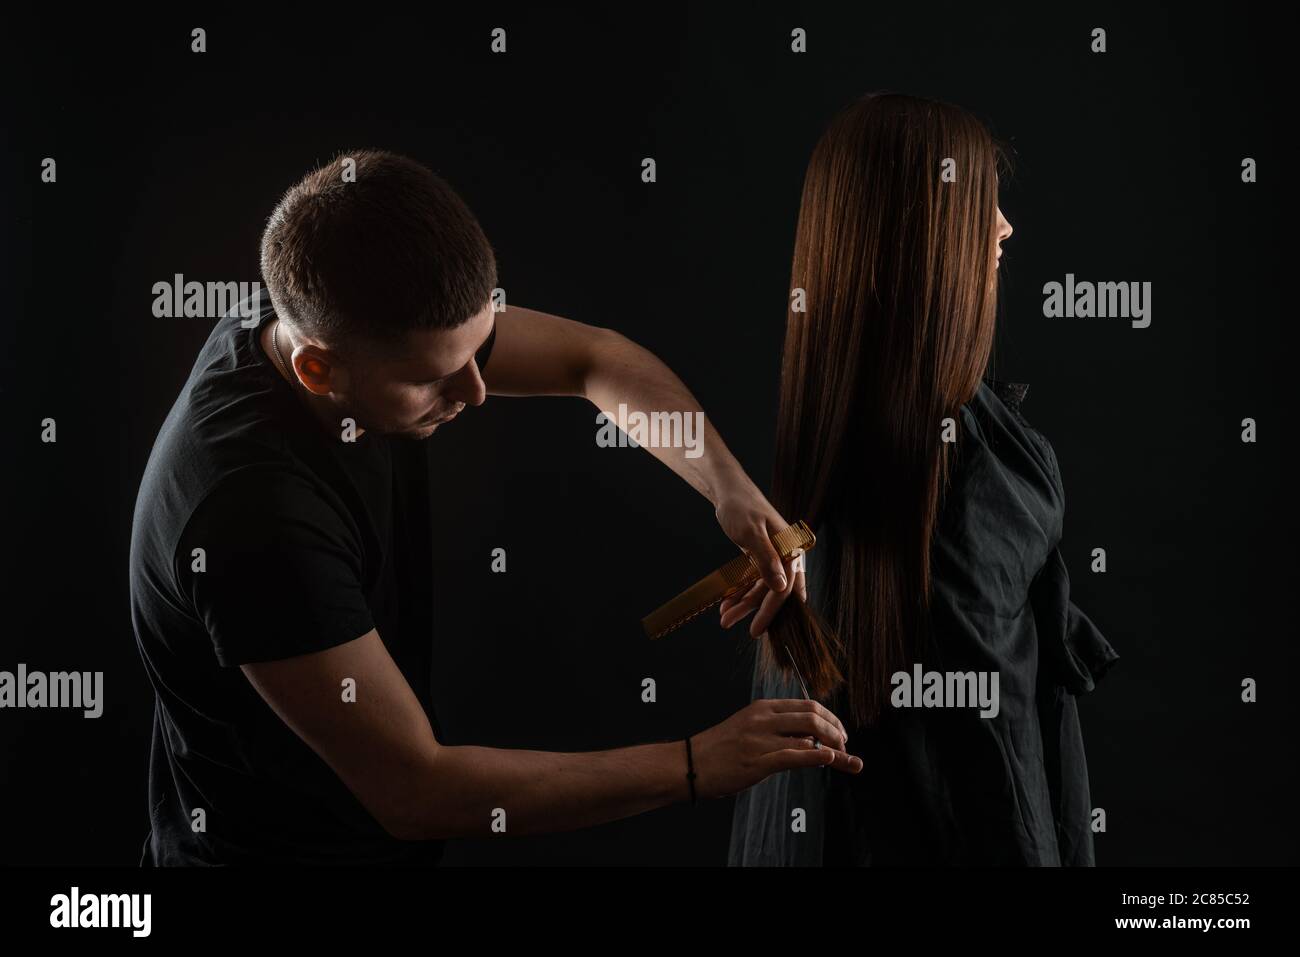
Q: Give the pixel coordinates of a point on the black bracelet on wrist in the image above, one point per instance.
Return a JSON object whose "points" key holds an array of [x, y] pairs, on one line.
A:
{"points": [[690, 769]]}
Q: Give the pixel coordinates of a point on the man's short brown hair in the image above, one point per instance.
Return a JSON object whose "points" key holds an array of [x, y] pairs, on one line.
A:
{"points": [[393, 251]]}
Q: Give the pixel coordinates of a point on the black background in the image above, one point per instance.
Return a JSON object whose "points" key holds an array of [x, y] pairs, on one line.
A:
{"points": [[1127, 169]]}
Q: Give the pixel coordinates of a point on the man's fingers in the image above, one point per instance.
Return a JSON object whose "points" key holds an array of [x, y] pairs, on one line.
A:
{"points": [[762, 596], [843, 761], [768, 560], [772, 603], [788, 758], [781, 577], [801, 724], [742, 605], [785, 705]]}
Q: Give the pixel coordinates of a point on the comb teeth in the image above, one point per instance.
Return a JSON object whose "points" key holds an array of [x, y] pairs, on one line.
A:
{"points": [[740, 572], [798, 535]]}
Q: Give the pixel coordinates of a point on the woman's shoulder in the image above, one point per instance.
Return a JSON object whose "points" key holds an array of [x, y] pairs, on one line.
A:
{"points": [[1010, 394], [1004, 465], [999, 422], [999, 399]]}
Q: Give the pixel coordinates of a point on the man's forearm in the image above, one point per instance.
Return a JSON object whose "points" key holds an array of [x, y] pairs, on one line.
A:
{"points": [[464, 791], [625, 373]]}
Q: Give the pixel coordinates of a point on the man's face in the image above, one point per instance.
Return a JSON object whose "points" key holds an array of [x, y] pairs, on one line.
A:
{"points": [[413, 389]]}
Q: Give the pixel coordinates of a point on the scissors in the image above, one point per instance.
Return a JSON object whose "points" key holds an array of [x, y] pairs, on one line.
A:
{"points": [[807, 697]]}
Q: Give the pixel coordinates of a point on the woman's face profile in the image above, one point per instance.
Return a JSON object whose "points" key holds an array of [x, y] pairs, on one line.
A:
{"points": [[1002, 231]]}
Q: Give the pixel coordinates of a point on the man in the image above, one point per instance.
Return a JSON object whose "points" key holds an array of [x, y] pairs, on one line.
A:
{"points": [[281, 550]]}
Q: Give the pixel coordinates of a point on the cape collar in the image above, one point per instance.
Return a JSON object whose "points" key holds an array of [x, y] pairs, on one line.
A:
{"points": [[1011, 393]]}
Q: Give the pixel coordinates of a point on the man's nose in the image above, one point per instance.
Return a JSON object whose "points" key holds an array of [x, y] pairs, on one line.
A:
{"points": [[469, 387]]}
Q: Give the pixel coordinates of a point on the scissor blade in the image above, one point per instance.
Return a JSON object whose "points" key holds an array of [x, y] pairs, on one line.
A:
{"points": [[799, 676], [804, 687]]}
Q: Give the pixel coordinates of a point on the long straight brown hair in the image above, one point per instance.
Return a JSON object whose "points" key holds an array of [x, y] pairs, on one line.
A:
{"points": [[895, 254]]}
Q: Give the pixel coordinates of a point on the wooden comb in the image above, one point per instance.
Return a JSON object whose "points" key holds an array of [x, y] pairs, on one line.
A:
{"points": [[737, 575]]}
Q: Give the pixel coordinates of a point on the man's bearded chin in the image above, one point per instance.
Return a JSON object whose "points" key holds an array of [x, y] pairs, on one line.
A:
{"points": [[365, 421], [346, 408]]}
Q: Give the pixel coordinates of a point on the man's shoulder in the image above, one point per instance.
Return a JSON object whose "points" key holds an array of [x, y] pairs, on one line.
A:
{"points": [[203, 445], [226, 431]]}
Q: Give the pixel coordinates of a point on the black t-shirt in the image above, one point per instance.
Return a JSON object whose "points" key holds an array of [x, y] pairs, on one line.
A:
{"points": [[307, 542]]}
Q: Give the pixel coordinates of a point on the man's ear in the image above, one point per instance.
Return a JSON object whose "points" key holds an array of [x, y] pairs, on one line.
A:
{"points": [[319, 370]]}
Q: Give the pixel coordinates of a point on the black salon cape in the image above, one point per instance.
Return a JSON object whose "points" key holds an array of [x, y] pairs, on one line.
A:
{"points": [[944, 786]]}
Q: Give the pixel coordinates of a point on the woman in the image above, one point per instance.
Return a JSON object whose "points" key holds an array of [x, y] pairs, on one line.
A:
{"points": [[938, 510]]}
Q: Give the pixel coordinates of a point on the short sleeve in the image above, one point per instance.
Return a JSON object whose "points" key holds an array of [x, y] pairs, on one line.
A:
{"points": [[280, 573]]}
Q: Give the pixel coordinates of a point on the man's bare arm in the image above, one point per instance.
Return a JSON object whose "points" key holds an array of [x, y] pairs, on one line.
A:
{"points": [[384, 750], [539, 354]]}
